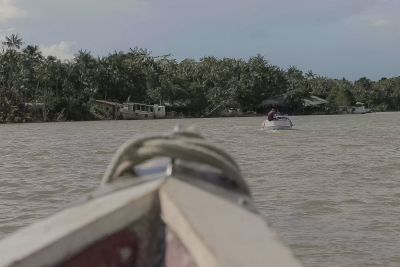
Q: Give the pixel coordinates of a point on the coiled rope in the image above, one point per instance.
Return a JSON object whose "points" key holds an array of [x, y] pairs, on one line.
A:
{"points": [[183, 145]]}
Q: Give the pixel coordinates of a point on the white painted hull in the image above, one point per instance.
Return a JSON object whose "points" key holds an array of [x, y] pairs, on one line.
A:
{"points": [[128, 115], [360, 110], [280, 124]]}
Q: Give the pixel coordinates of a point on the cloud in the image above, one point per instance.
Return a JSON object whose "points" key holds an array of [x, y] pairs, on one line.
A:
{"points": [[8, 30], [62, 50], [380, 22], [383, 16], [52, 9], [8, 10], [5, 32]]}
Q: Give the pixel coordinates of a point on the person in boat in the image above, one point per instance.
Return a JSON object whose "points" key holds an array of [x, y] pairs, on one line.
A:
{"points": [[272, 115]]}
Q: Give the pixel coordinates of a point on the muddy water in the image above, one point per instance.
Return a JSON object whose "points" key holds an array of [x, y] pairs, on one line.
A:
{"points": [[331, 187]]}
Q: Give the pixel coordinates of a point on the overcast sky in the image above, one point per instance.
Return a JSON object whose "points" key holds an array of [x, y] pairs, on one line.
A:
{"points": [[335, 38]]}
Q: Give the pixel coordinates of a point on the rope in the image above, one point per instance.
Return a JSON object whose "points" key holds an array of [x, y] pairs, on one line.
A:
{"points": [[184, 145]]}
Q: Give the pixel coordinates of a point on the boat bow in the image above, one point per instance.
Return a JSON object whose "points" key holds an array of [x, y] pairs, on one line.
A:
{"points": [[168, 201]]}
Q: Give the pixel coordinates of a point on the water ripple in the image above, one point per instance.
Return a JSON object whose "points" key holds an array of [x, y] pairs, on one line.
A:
{"points": [[330, 187]]}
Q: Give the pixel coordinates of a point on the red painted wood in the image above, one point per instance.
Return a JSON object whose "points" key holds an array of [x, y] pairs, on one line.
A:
{"points": [[118, 250]]}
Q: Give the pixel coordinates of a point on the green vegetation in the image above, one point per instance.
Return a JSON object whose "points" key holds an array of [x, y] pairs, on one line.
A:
{"points": [[47, 88]]}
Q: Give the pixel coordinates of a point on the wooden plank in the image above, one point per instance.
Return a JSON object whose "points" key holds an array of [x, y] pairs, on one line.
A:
{"points": [[218, 232], [70, 231]]}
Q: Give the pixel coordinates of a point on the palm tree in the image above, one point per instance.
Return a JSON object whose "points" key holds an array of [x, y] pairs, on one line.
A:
{"points": [[13, 42], [32, 60]]}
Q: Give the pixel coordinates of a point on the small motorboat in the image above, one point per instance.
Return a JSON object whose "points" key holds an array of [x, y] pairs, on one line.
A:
{"points": [[172, 200], [279, 123], [359, 108]]}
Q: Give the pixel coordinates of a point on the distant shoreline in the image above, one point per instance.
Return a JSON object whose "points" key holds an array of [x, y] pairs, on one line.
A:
{"points": [[209, 117]]}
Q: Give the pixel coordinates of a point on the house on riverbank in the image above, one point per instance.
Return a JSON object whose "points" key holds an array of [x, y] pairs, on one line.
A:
{"points": [[108, 110], [308, 105], [138, 111], [314, 105]]}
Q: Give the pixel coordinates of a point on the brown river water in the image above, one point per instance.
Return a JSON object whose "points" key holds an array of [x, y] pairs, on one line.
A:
{"points": [[330, 187]]}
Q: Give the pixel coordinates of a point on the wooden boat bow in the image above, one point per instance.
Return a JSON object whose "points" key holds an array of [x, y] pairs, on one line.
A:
{"points": [[189, 207]]}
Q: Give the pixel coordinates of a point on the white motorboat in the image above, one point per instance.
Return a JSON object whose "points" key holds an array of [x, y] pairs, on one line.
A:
{"points": [[359, 108], [280, 123]]}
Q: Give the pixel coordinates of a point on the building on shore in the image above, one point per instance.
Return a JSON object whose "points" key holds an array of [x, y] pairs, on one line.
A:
{"points": [[176, 109], [138, 111], [314, 105], [309, 105], [106, 110]]}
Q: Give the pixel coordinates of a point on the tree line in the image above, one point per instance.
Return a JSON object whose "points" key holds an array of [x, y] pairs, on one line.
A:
{"points": [[31, 82]]}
